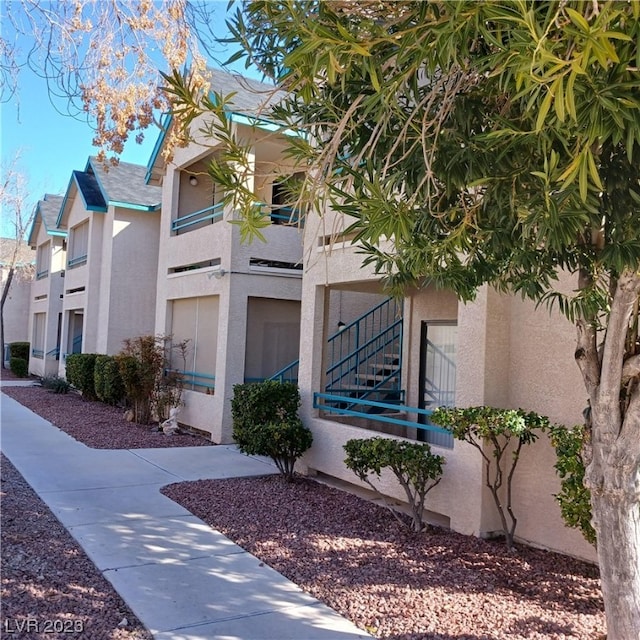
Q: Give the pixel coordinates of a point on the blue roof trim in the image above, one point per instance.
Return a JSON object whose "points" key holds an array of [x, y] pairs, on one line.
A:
{"points": [[262, 123], [63, 206], [137, 207], [89, 169], [165, 124]]}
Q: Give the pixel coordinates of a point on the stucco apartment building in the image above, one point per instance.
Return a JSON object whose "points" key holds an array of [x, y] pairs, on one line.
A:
{"points": [[236, 304], [301, 306], [428, 351], [97, 248], [45, 317]]}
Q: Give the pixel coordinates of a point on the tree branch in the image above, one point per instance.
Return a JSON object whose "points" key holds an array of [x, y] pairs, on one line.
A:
{"points": [[631, 368], [586, 354], [625, 297]]}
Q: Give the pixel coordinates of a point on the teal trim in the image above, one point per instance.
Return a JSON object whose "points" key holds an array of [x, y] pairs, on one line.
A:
{"points": [[66, 198], [40, 275], [369, 415], [197, 216], [57, 233], [192, 378], [289, 373], [167, 120], [75, 262], [137, 207], [37, 353], [262, 123]]}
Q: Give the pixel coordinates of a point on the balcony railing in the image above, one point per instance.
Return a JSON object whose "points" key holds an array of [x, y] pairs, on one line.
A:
{"points": [[37, 353], [372, 410], [192, 379], [213, 214], [77, 261], [42, 274]]}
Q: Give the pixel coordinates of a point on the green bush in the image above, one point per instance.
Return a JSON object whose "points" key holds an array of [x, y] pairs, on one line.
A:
{"points": [[416, 468], [55, 384], [574, 498], [489, 428], [19, 367], [108, 381], [80, 368], [19, 350], [265, 422]]}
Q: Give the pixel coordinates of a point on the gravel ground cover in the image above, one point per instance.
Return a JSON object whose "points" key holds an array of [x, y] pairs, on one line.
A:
{"points": [[50, 588], [96, 424], [347, 552], [438, 585]]}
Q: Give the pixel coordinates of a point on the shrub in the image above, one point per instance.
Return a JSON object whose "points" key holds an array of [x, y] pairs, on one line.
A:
{"points": [[574, 498], [265, 422], [80, 369], [108, 381], [19, 367], [55, 384], [416, 468], [496, 428], [149, 384], [19, 350]]}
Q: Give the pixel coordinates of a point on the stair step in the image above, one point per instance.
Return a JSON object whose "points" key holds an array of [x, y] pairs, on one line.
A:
{"points": [[374, 377]]}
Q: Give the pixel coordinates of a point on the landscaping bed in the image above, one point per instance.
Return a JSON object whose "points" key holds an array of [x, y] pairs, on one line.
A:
{"points": [[352, 554], [96, 424], [437, 585]]}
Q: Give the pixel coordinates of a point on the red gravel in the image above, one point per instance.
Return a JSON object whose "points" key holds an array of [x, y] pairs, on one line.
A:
{"points": [[50, 588], [349, 553], [96, 424], [353, 555]]}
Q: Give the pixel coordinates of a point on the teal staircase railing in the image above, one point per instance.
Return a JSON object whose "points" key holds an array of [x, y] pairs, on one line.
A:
{"points": [[288, 373], [366, 358]]}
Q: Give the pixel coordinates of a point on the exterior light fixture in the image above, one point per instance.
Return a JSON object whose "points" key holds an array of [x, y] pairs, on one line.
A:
{"points": [[217, 274], [341, 325], [193, 181]]}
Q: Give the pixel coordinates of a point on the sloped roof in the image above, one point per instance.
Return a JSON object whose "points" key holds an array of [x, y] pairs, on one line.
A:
{"points": [[252, 99], [124, 185], [47, 211], [90, 190]]}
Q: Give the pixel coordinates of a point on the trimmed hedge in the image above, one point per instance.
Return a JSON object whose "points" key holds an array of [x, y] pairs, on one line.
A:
{"points": [[19, 350], [80, 372], [19, 367], [265, 422], [109, 386]]}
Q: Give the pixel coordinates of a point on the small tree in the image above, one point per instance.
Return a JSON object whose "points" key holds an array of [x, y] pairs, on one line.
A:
{"points": [[416, 468], [574, 498], [266, 423], [150, 385], [496, 429]]}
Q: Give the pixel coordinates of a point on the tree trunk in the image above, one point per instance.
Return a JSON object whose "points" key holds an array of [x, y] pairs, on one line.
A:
{"points": [[613, 470], [615, 485]]}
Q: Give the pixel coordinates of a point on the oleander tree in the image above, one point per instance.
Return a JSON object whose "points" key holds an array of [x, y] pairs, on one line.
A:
{"points": [[495, 143]]}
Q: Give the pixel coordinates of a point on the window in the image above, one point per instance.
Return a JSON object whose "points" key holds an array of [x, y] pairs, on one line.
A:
{"points": [[437, 373], [283, 194], [37, 343], [43, 259], [196, 320], [78, 245]]}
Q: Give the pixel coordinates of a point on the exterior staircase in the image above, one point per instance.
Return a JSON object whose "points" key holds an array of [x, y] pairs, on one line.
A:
{"points": [[365, 359]]}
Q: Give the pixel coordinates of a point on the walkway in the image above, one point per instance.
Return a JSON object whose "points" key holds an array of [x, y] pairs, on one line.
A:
{"points": [[183, 580]]}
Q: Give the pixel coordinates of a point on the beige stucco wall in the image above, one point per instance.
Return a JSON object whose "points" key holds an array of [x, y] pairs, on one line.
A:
{"points": [[219, 244], [128, 277], [46, 297], [509, 355]]}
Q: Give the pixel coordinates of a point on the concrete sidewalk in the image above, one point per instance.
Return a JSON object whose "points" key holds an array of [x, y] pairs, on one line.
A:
{"points": [[183, 580]]}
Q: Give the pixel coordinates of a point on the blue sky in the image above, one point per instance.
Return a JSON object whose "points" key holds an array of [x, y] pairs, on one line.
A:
{"points": [[52, 145]]}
